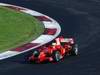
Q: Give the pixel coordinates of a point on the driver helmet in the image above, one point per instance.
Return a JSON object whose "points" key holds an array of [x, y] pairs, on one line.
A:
{"points": [[53, 44]]}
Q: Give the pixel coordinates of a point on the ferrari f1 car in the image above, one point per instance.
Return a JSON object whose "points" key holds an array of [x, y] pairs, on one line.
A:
{"points": [[55, 51]]}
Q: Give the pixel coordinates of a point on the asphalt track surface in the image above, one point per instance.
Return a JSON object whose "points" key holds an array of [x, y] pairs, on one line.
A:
{"points": [[79, 19]]}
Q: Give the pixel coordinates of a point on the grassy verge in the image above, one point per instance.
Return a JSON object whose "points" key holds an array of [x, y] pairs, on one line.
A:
{"points": [[17, 28]]}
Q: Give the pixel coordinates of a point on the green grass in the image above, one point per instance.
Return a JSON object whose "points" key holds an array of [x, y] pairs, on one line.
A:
{"points": [[17, 28]]}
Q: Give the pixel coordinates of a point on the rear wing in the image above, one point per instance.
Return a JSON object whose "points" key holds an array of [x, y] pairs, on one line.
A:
{"points": [[68, 40]]}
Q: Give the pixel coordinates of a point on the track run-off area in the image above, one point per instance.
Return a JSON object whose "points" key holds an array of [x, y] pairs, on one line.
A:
{"points": [[78, 19]]}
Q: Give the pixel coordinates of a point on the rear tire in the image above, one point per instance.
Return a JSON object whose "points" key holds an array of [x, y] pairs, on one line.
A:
{"points": [[57, 56], [74, 50]]}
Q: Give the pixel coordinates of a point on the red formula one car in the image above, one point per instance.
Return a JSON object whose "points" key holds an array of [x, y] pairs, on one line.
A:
{"points": [[54, 52]]}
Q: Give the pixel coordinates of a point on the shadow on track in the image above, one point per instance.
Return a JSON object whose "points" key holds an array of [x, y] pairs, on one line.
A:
{"points": [[79, 19]]}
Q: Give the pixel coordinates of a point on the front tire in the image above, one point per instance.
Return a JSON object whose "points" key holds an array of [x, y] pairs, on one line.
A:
{"points": [[36, 53], [28, 56]]}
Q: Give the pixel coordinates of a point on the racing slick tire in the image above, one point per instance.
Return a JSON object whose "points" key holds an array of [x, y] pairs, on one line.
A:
{"points": [[74, 50], [34, 52], [57, 56]]}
